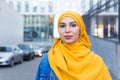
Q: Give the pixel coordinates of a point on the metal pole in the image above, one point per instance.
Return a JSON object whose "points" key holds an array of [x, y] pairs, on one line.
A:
{"points": [[97, 23], [97, 19], [119, 21]]}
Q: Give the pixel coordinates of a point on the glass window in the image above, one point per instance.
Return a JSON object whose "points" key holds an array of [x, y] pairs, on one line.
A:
{"points": [[35, 9], [107, 7], [18, 6], [26, 6], [91, 3], [11, 3], [83, 6], [42, 21], [35, 21], [116, 6], [40, 28], [50, 7], [42, 7]]}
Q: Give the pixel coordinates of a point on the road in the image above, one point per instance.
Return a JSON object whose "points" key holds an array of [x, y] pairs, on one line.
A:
{"points": [[25, 71]]}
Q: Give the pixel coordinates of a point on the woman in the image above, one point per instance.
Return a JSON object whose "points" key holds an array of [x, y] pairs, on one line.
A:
{"points": [[70, 57]]}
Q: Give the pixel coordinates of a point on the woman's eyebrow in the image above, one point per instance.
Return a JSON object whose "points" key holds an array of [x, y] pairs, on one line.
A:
{"points": [[73, 22], [62, 23], [70, 22]]}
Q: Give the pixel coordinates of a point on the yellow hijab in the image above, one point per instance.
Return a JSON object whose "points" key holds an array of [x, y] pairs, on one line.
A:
{"points": [[75, 61]]}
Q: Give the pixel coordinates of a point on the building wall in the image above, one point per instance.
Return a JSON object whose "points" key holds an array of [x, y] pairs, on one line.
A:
{"points": [[11, 25]]}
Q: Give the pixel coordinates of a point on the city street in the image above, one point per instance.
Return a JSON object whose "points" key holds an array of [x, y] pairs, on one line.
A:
{"points": [[36, 23], [25, 71]]}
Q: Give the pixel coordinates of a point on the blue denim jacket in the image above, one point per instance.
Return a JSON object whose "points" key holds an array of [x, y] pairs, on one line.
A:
{"points": [[44, 71]]}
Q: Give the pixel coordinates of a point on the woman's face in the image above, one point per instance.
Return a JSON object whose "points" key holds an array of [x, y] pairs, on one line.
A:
{"points": [[68, 30]]}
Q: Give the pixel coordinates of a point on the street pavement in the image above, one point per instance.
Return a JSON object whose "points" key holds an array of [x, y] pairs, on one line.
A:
{"points": [[25, 71]]}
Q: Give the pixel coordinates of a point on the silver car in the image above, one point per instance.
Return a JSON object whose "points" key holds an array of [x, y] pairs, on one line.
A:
{"points": [[38, 52], [9, 55]]}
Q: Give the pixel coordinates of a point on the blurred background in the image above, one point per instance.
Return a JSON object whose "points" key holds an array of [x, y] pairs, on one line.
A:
{"points": [[33, 23]]}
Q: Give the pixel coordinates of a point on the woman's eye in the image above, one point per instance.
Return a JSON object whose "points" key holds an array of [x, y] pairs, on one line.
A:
{"points": [[62, 26], [73, 25]]}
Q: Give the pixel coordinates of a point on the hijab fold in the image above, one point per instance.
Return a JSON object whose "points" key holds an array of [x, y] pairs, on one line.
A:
{"points": [[75, 61]]}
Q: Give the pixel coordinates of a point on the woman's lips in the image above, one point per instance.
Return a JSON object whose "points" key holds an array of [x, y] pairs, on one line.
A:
{"points": [[68, 37]]}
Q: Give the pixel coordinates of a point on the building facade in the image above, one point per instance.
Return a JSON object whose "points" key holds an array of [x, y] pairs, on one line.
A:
{"points": [[103, 19], [40, 17]]}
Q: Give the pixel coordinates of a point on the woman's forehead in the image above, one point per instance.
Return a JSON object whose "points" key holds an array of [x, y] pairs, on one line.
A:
{"points": [[67, 19]]}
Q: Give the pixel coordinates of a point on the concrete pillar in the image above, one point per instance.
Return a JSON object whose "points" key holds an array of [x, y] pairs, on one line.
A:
{"points": [[93, 25]]}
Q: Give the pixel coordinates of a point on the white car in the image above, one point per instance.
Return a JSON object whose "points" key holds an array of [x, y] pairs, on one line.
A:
{"points": [[9, 55], [38, 52]]}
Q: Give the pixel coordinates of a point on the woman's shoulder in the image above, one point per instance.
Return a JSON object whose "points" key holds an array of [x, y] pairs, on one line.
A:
{"points": [[44, 64], [44, 71], [44, 60]]}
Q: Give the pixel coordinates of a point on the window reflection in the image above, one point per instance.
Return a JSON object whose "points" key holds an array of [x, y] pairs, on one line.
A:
{"points": [[38, 28]]}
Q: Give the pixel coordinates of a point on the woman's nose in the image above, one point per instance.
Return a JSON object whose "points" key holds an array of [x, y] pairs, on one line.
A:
{"points": [[67, 29]]}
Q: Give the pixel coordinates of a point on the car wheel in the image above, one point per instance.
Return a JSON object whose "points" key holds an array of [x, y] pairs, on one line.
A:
{"points": [[12, 63], [33, 57]]}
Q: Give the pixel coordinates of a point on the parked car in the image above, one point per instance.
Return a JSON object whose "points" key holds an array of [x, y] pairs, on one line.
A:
{"points": [[44, 48], [27, 51], [38, 52], [9, 55]]}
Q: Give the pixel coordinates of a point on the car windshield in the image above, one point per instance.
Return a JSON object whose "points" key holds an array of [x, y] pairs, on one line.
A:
{"points": [[5, 49], [24, 47]]}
